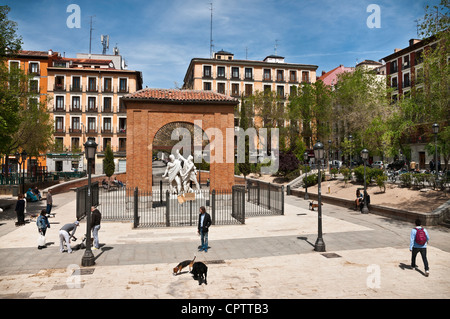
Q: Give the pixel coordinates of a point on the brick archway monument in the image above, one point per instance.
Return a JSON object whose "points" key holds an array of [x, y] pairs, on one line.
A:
{"points": [[150, 109]]}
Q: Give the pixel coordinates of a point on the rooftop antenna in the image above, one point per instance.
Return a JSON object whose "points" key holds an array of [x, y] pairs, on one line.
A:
{"points": [[276, 47], [105, 43], [90, 37], [210, 33]]}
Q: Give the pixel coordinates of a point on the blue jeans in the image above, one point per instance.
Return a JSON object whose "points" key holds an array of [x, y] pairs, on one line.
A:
{"points": [[49, 208], [204, 239], [95, 235]]}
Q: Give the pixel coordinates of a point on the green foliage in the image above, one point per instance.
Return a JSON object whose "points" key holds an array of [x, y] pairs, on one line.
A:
{"points": [[371, 174], [381, 182], [312, 179], [108, 162]]}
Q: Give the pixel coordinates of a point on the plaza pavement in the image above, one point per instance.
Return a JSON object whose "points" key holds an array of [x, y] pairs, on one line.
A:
{"points": [[271, 257]]}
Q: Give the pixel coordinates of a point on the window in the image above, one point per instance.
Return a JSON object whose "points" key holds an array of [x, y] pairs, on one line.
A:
{"points": [[305, 77], [207, 71], [107, 85], [221, 72], [406, 62], [91, 124], [122, 144], [76, 103], [76, 124], [76, 84], [207, 86], [76, 144], [92, 84], [394, 83], [106, 142], [34, 86], [107, 104], [406, 82], [107, 125], [59, 124], [267, 88], [235, 89], [122, 125], [280, 91], [123, 85], [248, 89], [221, 88], [280, 75], [267, 76], [91, 104], [59, 83], [33, 68], [248, 73], [393, 68], [235, 72], [293, 76], [60, 103]]}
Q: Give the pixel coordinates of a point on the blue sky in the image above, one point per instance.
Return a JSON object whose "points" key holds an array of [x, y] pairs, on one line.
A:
{"points": [[160, 38]]}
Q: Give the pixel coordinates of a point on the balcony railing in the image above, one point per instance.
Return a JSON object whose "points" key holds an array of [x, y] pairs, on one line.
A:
{"points": [[92, 109], [107, 130], [59, 108], [75, 130], [121, 131], [123, 90], [76, 88], [34, 71], [92, 88], [75, 108], [59, 88], [60, 130], [107, 89]]}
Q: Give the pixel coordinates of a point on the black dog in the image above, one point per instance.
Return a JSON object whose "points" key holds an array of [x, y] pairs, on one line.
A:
{"points": [[199, 270]]}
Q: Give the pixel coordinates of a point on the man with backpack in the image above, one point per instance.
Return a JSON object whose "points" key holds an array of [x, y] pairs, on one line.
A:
{"points": [[418, 244]]}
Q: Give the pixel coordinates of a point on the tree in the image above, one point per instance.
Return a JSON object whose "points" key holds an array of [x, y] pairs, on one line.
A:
{"points": [[24, 121], [108, 163], [245, 167]]}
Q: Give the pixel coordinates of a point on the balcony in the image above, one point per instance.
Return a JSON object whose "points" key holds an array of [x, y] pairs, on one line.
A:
{"points": [[121, 131], [76, 88], [34, 71], [59, 88], [59, 108], [75, 130], [107, 89], [123, 90], [91, 130], [92, 109], [75, 108], [107, 131], [59, 131], [92, 88], [107, 109]]}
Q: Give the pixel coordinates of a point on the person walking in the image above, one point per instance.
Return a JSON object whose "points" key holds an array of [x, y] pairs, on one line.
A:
{"points": [[49, 201], [418, 244], [64, 236], [96, 218], [20, 210], [42, 224], [204, 221]]}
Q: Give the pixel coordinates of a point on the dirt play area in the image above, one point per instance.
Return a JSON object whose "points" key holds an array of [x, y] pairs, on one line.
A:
{"points": [[409, 199]]}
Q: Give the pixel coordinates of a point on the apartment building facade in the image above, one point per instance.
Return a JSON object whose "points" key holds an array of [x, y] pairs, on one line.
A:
{"points": [[223, 74], [35, 64], [85, 105], [404, 70]]}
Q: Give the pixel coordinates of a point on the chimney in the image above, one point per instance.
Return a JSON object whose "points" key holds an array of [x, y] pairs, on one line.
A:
{"points": [[396, 50], [323, 72], [413, 41], [50, 52]]}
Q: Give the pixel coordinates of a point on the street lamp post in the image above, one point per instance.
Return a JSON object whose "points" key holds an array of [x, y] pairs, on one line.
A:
{"points": [[319, 154], [329, 155], [306, 157], [88, 259], [436, 131], [365, 156]]}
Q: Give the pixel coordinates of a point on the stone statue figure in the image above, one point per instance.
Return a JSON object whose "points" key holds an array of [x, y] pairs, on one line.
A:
{"points": [[173, 172], [188, 173], [179, 175]]}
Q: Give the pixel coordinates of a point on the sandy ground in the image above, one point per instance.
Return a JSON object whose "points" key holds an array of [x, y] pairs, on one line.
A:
{"points": [[410, 199]]}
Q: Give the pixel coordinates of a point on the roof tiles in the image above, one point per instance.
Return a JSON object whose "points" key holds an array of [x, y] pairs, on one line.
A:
{"points": [[173, 95]]}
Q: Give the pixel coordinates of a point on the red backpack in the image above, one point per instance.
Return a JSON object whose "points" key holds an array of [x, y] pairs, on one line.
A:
{"points": [[421, 237]]}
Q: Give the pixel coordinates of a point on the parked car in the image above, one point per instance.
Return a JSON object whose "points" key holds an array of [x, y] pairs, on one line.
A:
{"points": [[378, 164]]}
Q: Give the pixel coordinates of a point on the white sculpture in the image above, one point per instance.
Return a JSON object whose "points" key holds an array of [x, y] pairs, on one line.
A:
{"points": [[180, 177]]}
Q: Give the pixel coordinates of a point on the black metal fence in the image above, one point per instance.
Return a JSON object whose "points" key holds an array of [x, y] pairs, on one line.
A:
{"points": [[83, 201], [159, 208]]}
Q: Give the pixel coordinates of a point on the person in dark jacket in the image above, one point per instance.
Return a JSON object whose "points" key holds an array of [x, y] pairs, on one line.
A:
{"points": [[204, 221], [20, 210], [96, 217], [42, 224]]}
